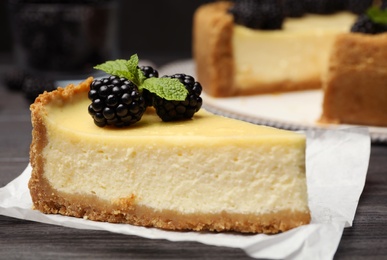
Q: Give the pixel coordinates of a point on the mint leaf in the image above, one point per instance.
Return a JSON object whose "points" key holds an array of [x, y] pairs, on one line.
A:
{"points": [[132, 63], [117, 67], [377, 15], [167, 88], [124, 68]]}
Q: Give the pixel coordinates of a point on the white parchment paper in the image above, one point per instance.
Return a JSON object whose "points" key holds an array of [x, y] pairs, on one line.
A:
{"points": [[337, 163]]}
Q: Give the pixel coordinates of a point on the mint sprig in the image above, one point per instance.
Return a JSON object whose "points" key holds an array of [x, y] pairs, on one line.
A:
{"points": [[377, 15], [167, 88]]}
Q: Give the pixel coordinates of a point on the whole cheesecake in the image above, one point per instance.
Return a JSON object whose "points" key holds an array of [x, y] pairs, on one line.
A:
{"points": [[207, 173], [233, 60]]}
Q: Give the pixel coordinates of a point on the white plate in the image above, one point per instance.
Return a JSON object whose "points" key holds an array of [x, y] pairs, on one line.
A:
{"points": [[295, 110]]}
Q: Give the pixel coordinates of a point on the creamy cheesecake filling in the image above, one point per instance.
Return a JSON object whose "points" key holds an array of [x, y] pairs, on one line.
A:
{"points": [[271, 161], [298, 52]]}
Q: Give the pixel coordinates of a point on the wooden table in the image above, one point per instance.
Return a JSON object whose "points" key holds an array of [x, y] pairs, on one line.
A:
{"points": [[21, 239]]}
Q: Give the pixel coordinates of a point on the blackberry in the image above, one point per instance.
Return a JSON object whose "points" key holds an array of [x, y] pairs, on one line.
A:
{"points": [[358, 6], [244, 12], [61, 37], [178, 110], [272, 10], [148, 72], [364, 24], [263, 14], [34, 86], [115, 101], [324, 6], [14, 79], [293, 8]]}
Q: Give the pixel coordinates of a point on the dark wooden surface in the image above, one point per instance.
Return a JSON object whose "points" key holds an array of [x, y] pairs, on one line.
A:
{"points": [[20, 239]]}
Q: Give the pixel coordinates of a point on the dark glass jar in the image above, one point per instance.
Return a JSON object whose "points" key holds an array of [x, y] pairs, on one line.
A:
{"points": [[63, 38]]}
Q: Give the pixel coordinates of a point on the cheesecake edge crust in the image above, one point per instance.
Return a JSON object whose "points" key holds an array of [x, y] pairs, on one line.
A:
{"points": [[212, 45], [353, 62]]}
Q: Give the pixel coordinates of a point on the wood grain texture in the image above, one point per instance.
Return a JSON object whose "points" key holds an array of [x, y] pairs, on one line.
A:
{"points": [[21, 239]]}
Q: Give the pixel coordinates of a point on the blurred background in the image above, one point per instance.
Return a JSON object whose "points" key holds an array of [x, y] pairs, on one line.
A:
{"points": [[159, 30], [46, 43]]}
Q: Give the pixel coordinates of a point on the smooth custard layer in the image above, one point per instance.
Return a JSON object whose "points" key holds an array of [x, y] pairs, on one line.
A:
{"points": [[298, 52], [206, 173]]}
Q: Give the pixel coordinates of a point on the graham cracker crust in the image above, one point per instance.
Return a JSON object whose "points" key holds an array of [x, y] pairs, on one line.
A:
{"points": [[355, 90]]}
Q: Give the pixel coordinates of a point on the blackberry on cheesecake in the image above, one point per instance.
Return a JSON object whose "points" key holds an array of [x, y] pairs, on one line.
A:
{"points": [[175, 97], [171, 110], [115, 101]]}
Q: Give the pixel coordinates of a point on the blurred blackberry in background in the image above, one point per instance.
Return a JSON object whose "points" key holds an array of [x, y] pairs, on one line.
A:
{"points": [[57, 36], [244, 12], [324, 6], [46, 38], [14, 79], [59, 1], [262, 14], [34, 86], [364, 24], [358, 6], [30, 85], [272, 11], [293, 8]]}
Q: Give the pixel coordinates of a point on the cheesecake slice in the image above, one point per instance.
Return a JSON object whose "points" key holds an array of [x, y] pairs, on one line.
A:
{"points": [[235, 60], [355, 91], [208, 173]]}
